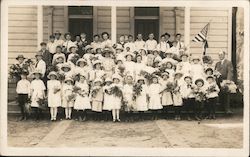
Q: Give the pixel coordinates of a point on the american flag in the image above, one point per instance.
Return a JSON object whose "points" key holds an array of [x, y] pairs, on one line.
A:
{"points": [[202, 37]]}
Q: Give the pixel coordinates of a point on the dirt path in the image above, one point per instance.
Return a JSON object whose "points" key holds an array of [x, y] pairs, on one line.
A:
{"points": [[220, 133]]}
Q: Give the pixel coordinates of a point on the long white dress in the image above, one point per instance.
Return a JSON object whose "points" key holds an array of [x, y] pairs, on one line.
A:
{"points": [[130, 67], [155, 97], [67, 90], [37, 86], [54, 99], [177, 98], [166, 98], [82, 101], [138, 68], [107, 102], [128, 97], [116, 101], [141, 100], [197, 71]]}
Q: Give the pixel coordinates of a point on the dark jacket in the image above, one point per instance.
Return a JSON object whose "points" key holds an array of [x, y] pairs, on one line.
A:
{"points": [[47, 57], [226, 69]]}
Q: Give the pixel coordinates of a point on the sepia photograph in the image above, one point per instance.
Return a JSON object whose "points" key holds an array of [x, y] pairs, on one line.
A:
{"points": [[135, 76]]}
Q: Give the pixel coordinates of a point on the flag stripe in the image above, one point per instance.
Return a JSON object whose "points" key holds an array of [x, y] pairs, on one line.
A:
{"points": [[202, 35]]}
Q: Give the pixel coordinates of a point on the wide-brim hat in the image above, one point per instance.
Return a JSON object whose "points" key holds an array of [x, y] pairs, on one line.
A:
{"points": [[81, 60], [178, 73], [210, 76], [157, 59], [116, 76], [209, 69], [96, 62], [155, 76], [129, 53], [187, 76], [108, 79], [65, 65], [36, 71], [199, 80], [58, 32], [20, 56], [38, 54], [143, 50], [129, 75], [88, 47], [52, 73], [68, 79], [184, 54], [72, 46], [43, 43], [57, 57], [140, 78], [196, 58], [98, 80], [107, 50], [84, 74], [165, 73]]}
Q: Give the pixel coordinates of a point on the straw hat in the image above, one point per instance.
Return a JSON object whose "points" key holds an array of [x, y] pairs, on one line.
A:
{"points": [[178, 73], [20, 56], [68, 79], [140, 78], [98, 80], [58, 32], [165, 73], [65, 65], [88, 47], [187, 76], [37, 71], [199, 80], [52, 73], [81, 60], [184, 54], [116, 76], [129, 53], [96, 62], [119, 47], [108, 79]]}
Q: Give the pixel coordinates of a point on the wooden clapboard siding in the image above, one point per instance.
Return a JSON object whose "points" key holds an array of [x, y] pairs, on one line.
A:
{"points": [[22, 33], [103, 19], [123, 21], [59, 19], [45, 24], [218, 32]]}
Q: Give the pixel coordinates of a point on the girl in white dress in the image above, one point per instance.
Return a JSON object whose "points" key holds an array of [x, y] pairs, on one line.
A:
{"points": [[107, 103], [128, 97], [54, 94], [129, 64], [155, 97], [82, 101], [141, 100], [120, 68], [170, 69], [68, 97], [37, 93], [106, 41], [166, 99], [143, 53], [177, 98], [139, 66], [116, 99], [82, 66], [197, 70], [108, 63], [184, 66], [97, 72]]}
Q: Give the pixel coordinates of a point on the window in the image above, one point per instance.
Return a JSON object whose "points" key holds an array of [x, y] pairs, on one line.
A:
{"points": [[81, 21], [146, 11]]}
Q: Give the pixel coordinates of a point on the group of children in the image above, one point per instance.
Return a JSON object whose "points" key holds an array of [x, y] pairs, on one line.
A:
{"points": [[129, 76]]}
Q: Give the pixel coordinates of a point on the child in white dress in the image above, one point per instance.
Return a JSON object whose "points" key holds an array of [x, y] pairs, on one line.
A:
{"points": [[68, 97], [141, 100], [107, 103], [143, 53], [128, 97], [97, 71], [82, 101], [54, 94], [82, 66], [177, 99], [37, 88], [166, 98], [108, 63], [197, 70], [184, 66], [151, 43], [117, 95], [96, 95], [154, 96], [139, 66], [129, 64]]}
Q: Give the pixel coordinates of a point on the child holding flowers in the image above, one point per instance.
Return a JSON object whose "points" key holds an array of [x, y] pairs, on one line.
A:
{"points": [[54, 94], [68, 97]]}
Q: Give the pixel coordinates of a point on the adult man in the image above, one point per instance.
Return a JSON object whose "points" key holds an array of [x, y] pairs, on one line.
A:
{"points": [[46, 55], [224, 66], [180, 44], [167, 37]]}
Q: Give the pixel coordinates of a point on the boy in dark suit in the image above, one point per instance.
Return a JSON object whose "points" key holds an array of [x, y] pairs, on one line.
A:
{"points": [[167, 37], [225, 68]]}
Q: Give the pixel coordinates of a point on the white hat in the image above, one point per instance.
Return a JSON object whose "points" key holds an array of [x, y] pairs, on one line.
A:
{"points": [[158, 59], [178, 72], [129, 53], [88, 47], [52, 73], [140, 78], [68, 79], [81, 60], [82, 73], [96, 62], [98, 80], [108, 79], [37, 71], [116, 76], [66, 65]]}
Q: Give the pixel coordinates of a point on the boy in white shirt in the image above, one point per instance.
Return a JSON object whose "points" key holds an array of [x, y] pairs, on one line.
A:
{"points": [[162, 46], [139, 43], [40, 64], [96, 42], [58, 40], [23, 91], [130, 43], [151, 43], [51, 46]]}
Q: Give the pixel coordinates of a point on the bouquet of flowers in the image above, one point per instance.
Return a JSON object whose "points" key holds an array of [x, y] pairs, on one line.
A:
{"points": [[211, 89], [176, 88], [146, 75], [228, 86], [43, 103], [15, 71], [116, 91], [95, 90], [74, 58], [137, 89], [108, 91], [200, 95], [27, 63], [216, 73], [76, 89], [169, 87]]}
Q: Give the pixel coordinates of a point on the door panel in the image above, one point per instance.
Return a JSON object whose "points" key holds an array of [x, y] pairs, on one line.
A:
{"points": [[78, 26], [145, 26]]}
